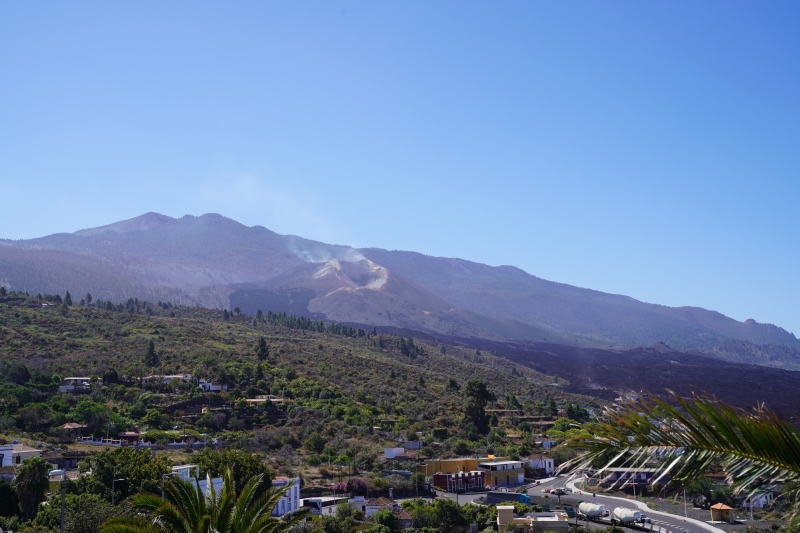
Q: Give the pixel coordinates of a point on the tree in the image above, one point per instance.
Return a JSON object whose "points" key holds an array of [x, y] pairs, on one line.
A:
{"points": [[386, 518], [67, 299], [31, 484], [690, 435], [110, 377], [243, 465], [9, 502], [139, 468], [151, 358], [88, 299], [18, 373], [452, 385], [85, 513], [478, 397], [262, 350], [184, 509]]}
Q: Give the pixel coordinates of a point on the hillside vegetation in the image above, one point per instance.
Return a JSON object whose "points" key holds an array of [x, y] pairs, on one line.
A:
{"points": [[338, 381]]}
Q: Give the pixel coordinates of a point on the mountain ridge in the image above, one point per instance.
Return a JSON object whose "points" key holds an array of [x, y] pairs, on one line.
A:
{"points": [[212, 260]]}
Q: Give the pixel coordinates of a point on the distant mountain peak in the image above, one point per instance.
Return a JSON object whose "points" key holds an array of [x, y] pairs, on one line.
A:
{"points": [[143, 222]]}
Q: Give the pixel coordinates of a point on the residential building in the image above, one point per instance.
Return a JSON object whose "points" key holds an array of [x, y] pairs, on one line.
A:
{"points": [[503, 473], [358, 503], [211, 387], [453, 466], [14, 454], [8, 473], [760, 500], [541, 464], [192, 473], [545, 444], [164, 380], [556, 522], [77, 384], [460, 481], [290, 501], [5, 454], [376, 504], [186, 472], [73, 429]]}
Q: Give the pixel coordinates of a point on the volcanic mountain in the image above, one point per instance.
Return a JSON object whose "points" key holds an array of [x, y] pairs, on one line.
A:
{"points": [[217, 262]]}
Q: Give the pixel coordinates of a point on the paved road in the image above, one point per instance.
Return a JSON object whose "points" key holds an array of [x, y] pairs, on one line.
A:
{"points": [[661, 522]]}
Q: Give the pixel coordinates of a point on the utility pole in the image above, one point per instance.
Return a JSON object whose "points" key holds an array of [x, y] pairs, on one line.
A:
{"points": [[63, 498], [685, 512]]}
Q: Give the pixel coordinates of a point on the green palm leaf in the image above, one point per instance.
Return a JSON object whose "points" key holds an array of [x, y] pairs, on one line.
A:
{"points": [[184, 509], [687, 436]]}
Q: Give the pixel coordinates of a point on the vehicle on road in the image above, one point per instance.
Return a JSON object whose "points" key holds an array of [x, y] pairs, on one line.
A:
{"points": [[644, 519], [623, 515], [587, 510]]}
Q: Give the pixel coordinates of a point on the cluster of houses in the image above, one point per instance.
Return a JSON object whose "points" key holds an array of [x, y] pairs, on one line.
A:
{"points": [[83, 384]]}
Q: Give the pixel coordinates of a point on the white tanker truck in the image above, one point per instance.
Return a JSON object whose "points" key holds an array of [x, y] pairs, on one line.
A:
{"points": [[622, 515], [590, 510]]}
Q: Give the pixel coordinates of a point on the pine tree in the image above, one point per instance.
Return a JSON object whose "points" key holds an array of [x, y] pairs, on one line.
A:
{"points": [[151, 359], [262, 350], [67, 299]]}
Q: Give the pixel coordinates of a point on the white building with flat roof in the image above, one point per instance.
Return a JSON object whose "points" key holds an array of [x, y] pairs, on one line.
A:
{"points": [[290, 501]]}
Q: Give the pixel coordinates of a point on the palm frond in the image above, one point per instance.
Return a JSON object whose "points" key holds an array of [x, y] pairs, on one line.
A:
{"points": [[686, 436], [124, 524]]}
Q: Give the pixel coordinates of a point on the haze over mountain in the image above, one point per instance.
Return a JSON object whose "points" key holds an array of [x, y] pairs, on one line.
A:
{"points": [[214, 261]]}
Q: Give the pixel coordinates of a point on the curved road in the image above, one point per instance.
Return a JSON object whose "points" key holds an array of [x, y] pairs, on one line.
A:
{"points": [[661, 522]]}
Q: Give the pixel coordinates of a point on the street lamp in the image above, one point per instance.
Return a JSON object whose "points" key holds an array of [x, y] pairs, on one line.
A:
{"points": [[113, 481]]}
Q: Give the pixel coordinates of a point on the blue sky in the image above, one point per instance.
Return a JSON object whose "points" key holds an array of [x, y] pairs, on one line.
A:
{"points": [[641, 148]]}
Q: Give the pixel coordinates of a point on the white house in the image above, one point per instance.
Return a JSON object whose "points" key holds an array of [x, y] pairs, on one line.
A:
{"points": [[290, 501], [76, 383], [760, 500], [166, 379], [542, 463], [376, 504], [545, 444], [210, 387], [192, 472], [14, 454], [5, 454]]}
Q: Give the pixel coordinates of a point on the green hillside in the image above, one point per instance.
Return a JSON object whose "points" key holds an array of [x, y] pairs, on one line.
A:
{"points": [[339, 383]]}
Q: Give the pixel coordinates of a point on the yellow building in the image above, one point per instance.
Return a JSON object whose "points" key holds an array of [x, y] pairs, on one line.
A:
{"points": [[557, 522], [503, 473], [722, 513], [454, 466]]}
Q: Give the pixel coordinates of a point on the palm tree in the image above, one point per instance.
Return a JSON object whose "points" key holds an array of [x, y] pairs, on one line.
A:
{"points": [[689, 435], [184, 509], [31, 484]]}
